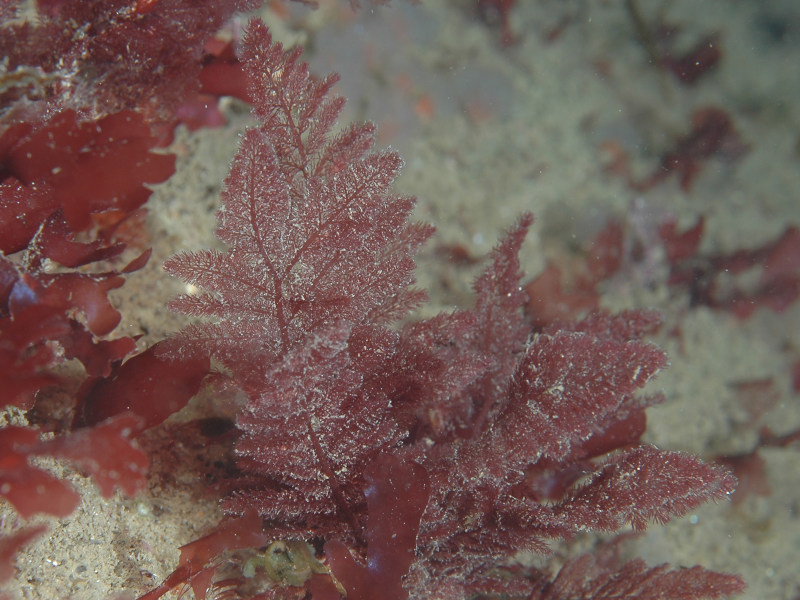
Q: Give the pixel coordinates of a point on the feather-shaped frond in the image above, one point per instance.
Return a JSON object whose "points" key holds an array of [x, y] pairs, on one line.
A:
{"points": [[314, 234]]}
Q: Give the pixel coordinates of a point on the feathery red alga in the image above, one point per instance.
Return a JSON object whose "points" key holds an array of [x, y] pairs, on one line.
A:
{"points": [[417, 459]]}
